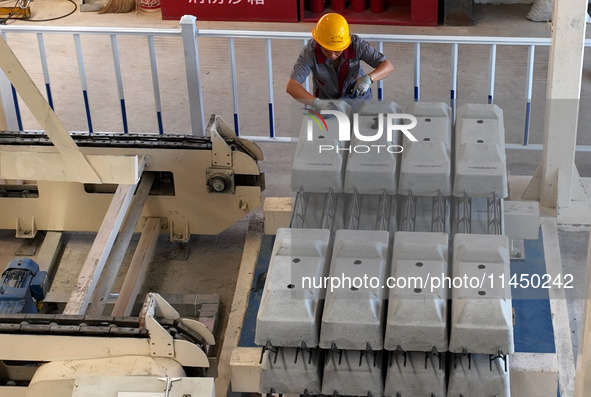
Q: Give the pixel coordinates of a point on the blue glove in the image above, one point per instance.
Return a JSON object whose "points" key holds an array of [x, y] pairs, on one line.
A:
{"points": [[362, 85]]}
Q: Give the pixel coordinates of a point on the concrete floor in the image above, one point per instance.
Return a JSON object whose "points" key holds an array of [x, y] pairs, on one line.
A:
{"points": [[213, 261]]}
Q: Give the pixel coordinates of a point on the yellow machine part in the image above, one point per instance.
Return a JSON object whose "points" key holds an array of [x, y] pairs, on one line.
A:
{"points": [[15, 12]]}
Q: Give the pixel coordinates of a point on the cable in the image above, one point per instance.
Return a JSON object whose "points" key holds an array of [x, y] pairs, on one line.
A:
{"points": [[56, 18], [3, 20]]}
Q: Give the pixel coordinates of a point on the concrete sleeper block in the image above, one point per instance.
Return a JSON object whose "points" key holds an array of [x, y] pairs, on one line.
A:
{"points": [[522, 219], [353, 373], [425, 168], [481, 163], [284, 373], [353, 318], [415, 374], [372, 165], [481, 315], [290, 314], [417, 316], [478, 376], [317, 170]]}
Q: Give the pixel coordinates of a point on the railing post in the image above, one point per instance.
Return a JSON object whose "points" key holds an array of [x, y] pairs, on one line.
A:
{"points": [[454, 81], [155, 83], [234, 85], [119, 80], [189, 33], [417, 71], [45, 68], [381, 82], [307, 82], [9, 116], [528, 91], [270, 81], [8, 120], [492, 71], [83, 83]]}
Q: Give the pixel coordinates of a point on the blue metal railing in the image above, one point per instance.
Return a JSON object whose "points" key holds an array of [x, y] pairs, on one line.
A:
{"points": [[12, 110], [188, 34]]}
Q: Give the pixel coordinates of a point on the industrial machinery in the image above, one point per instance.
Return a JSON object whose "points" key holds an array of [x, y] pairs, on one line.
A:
{"points": [[114, 185], [22, 286], [403, 222], [62, 355], [170, 198], [21, 10]]}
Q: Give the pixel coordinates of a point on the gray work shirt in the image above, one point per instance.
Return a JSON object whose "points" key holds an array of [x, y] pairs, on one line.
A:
{"points": [[331, 83]]}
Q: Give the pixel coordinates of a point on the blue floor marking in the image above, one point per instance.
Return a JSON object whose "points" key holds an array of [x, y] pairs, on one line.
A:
{"points": [[258, 282], [533, 331]]}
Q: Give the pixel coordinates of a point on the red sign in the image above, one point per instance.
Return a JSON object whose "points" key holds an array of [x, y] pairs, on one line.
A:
{"points": [[232, 10]]}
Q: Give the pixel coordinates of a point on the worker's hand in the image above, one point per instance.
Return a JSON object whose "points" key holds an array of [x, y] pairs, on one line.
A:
{"points": [[362, 85], [331, 104], [323, 104]]}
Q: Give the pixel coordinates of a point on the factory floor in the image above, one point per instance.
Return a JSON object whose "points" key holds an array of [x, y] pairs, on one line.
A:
{"points": [[213, 261]]}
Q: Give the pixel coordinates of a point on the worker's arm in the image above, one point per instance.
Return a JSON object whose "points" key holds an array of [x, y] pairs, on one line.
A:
{"points": [[382, 71], [299, 93], [363, 83]]}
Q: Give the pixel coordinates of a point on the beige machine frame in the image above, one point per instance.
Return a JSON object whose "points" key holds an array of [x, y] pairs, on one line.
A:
{"points": [[66, 206]]}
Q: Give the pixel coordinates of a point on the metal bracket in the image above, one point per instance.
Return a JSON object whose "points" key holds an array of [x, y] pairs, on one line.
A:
{"points": [[397, 352], [180, 252], [303, 348], [161, 343], [26, 232], [156, 306], [269, 347], [164, 309], [147, 159], [516, 249], [28, 246], [501, 355], [434, 354], [221, 153], [182, 236], [334, 349]]}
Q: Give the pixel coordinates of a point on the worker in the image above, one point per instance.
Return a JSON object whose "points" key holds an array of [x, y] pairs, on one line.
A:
{"points": [[334, 58]]}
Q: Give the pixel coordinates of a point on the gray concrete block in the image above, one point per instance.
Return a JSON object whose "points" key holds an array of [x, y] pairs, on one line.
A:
{"points": [[481, 163], [415, 375], [316, 170], [417, 316], [522, 220], [287, 375], [353, 373], [479, 377], [481, 312], [353, 314], [425, 168], [368, 108], [290, 308], [372, 165]]}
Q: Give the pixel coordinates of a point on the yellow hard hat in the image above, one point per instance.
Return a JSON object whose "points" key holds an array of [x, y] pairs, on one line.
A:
{"points": [[332, 32]]}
